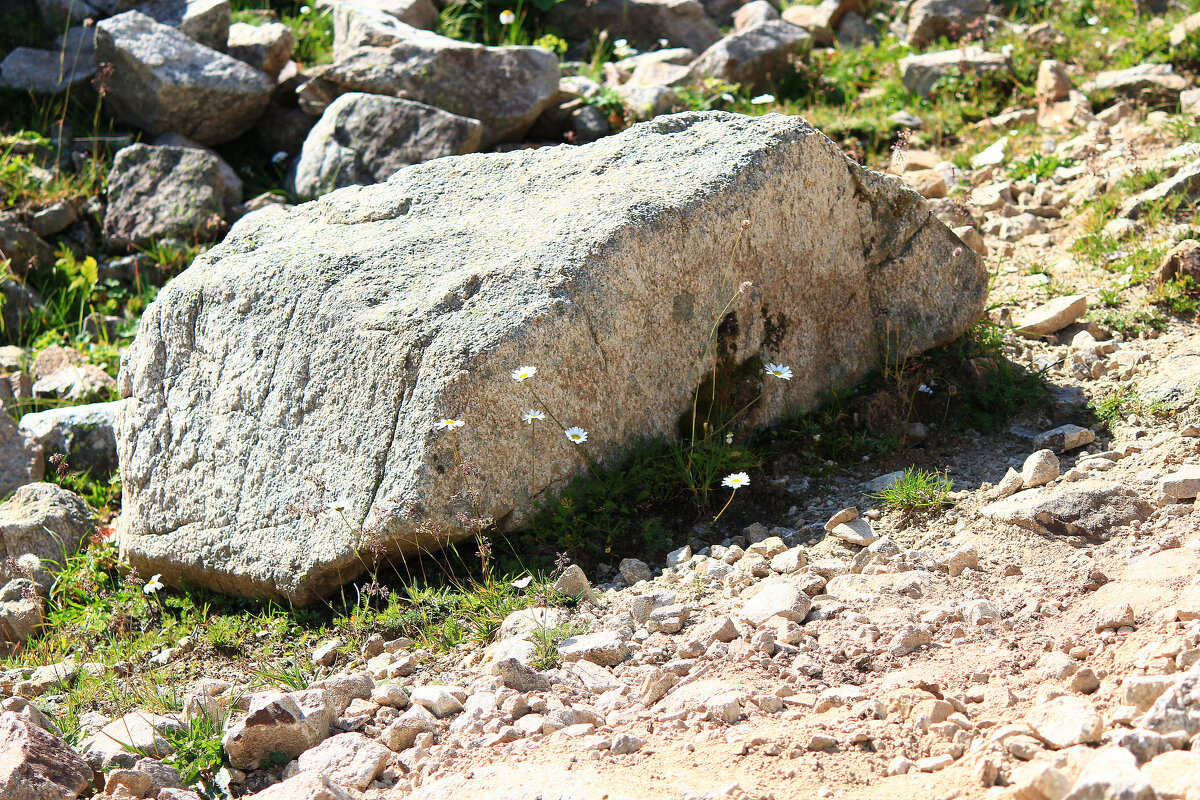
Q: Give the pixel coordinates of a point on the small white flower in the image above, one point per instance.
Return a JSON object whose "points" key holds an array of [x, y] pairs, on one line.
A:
{"points": [[507, 17], [1092, 20], [1104, 30], [763, 99], [279, 157], [521, 583], [780, 371], [621, 49], [305, 9], [154, 584], [577, 435], [727, 97], [926, 388], [1007, 49], [340, 504], [449, 424], [729, 438], [29, 562], [533, 414], [522, 374], [736, 480]]}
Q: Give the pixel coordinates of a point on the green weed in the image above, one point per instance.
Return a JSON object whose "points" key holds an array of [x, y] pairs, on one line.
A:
{"points": [[917, 489]]}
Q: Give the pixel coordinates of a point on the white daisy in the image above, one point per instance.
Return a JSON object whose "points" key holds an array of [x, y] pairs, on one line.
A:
{"points": [[533, 414], [780, 371], [523, 374], [154, 584], [736, 480], [449, 424], [577, 435]]}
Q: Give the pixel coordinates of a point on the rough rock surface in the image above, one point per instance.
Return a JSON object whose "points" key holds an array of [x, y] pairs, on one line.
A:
{"points": [[45, 520], [509, 87], [21, 456], [307, 341], [683, 23], [83, 433], [45, 71], [159, 192], [930, 20], [364, 138], [754, 57], [163, 81], [37, 765]]}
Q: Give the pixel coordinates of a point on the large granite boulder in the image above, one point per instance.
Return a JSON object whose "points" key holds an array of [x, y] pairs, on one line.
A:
{"points": [[364, 138], [319, 346], [164, 81], [505, 88]]}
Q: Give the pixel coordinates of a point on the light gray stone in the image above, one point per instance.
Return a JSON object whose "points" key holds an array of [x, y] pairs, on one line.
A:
{"points": [[921, 73], [1087, 510], [164, 81], [755, 57], [930, 20], [1177, 708], [314, 311], [857, 531], [22, 458], [1054, 315], [264, 47], [278, 726], [232, 187], [365, 138], [160, 192], [45, 520], [516, 675], [1039, 468], [1112, 774], [1064, 438], [205, 21], [83, 433], [417, 13], [753, 13], [402, 733], [123, 741], [574, 583], [1066, 721], [1182, 484], [508, 87], [1152, 83], [1184, 182], [606, 648], [26, 69], [439, 700], [349, 759], [777, 597], [633, 570]]}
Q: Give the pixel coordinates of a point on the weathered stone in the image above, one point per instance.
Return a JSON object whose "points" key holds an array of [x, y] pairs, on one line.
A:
{"points": [[962, 558], [160, 192], [1111, 775], [37, 765], [364, 138], [642, 23], [83, 433], [1185, 182], [1115, 616], [754, 57], [565, 214], [1076, 511], [574, 583], [21, 459], [633, 570], [264, 47], [1178, 708], [343, 689], [402, 733], [54, 218], [1151, 83], [305, 786], [204, 21], [921, 73], [508, 87], [1039, 469], [1066, 721], [439, 700], [361, 25], [1054, 315], [123, 741], [753, 13], [163, 81], [606, 648], [77, 383], [45, 520], [279, 726], [1064, 438], [349, 759], [930, 20], [1174, 775], [26, 69], [777, 597], [1182, 260], [857, 531], [20, 618], [23, 248]]}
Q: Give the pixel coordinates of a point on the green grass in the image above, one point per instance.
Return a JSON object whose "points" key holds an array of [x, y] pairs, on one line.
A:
{"points": [[1124, 404], [917, 490]]}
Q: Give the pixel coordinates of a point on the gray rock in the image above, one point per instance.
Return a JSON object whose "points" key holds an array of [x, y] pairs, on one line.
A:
{"points": [[402, 733], [1091, 510], [27, 69], [1054, 315], [909, 639], [1177, 708], [1064, 438], [20, 619], [633, 570], [83, 433], [349, 759], [1150, 83], [857, 531], [23, 248], [37, 764], [606, 648], [231, 191], [164, 81], [417, 13], [777, 597], [22, 459], [508, 87], [753, 13], [342, 689], [123, 741], [439, 700], [278, 725], [646, 102], [755, 57], [921, 73], [1184, 182], [205, 21], [358, 25], [314, 311], [53, 219], [264, 47], [962, 558], [930, 20], [1111, 774], [160, 192], [1066, 721], [515, 675], [365, 138], [1039, 468], [574, 583], [45, 520], [642, 23]]}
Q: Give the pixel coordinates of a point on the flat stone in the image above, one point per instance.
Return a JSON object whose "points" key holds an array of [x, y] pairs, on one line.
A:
{"points": [[204, 21], [777, 597], [606, 648], [1184, 182], [1115, 616], [1182, 484], [921, 73], [123, 741], [26, 69], [1149, 82], [1054, 315], [1078, 510], [857, 531], [1066, 721], [349, 759]]}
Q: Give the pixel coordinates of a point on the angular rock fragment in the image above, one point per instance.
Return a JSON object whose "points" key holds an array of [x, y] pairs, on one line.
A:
{"points": [[45, 520], [264, 47], [921, 73], [160, 192], [36, 764], [346, 327], [279, 726], [754, 57], [930, 20], [83, 433], [164, 81]]}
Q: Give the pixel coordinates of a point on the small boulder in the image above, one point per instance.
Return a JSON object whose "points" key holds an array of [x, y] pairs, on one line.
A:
{"points": [[1066, 721], [21, 457], [45, 520], [921, 73], [160, 192], [278, 726], [83, 433], [349, 759], [930, 20], [782, 597], [606, 648], [264, 47], [36, 764], [1054, 315], [754, 57], [1039, 469]]}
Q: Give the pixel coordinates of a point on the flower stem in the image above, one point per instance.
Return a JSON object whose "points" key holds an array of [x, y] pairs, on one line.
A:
{"points": [[708, 527]]}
